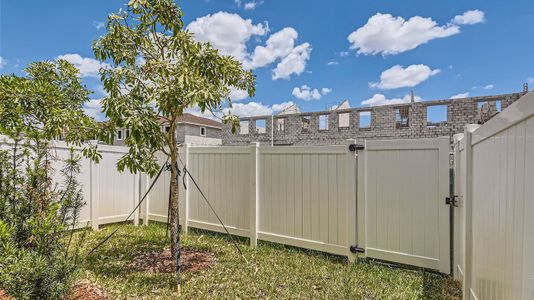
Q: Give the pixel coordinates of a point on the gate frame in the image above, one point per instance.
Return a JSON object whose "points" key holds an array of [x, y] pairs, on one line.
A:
{"points": [[442, 144]]}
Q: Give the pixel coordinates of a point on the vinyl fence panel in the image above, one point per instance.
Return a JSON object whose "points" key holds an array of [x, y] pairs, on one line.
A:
{"points": [[402, 188], [500, 237], [223, 175], [304, 197], [117, 193]]}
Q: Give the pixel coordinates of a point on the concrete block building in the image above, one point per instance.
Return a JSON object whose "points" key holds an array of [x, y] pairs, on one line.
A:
{"points": [[400, 121]]}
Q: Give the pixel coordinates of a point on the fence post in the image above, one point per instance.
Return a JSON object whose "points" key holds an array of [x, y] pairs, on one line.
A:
{"points": [[351, 198], [95, 201], [137, 197], [144, 183], [254, 192], [186, 202], [468, 200]]}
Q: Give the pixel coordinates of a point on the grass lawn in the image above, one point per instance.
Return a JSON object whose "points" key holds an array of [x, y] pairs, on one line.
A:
{"points": [[274, 271]]}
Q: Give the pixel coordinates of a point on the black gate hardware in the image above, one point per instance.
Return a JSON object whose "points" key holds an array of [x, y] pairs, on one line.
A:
{"points": [[355, 147], [452, 201], [356, 249]]}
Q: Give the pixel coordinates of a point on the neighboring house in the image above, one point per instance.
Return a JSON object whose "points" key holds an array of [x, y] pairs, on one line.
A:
{"points": [[191, 129]]}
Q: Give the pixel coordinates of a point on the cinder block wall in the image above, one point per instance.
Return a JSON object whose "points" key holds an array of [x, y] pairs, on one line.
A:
{"points": [[383, 123]]}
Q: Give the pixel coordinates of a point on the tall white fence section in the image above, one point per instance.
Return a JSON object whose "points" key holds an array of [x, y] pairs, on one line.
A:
{"points": [[402, 215], [496, 167], [110, 196]]}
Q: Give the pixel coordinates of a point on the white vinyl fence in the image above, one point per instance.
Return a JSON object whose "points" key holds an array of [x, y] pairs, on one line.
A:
{"points": [[110, 196], [495, 164]]}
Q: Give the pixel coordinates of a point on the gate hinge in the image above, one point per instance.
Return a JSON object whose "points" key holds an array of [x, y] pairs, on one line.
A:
{"points": [[452, 201], [355, 147], [356, 249]]}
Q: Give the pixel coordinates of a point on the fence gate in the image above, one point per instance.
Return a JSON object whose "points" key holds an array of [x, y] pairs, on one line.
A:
{"points": [[402, 215]]}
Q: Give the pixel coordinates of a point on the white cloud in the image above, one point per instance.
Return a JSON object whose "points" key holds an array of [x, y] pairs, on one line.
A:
{"points": [[88, 67], [387, 35], [332, 63], [252, 5], [530, 79], [306, 93], [294, 63], [469, 18], [380, 99], [227, 32], [237, 2], [460, 96], [249, 109], [230, 33], [278, 45], [488, 87], [256, 109], [236, 95], [99, 25], [397, 76], [2, 62], [216, 115], [93, 108], [344, 53]]}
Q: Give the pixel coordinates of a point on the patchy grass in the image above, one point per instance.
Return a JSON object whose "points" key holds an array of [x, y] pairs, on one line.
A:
{"points": [[273, 272]]}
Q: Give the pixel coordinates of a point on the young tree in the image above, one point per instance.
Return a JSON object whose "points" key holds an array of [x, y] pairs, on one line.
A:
{"points": [[157, 70]]}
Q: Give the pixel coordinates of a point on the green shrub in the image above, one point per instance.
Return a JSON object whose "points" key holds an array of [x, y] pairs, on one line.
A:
{"points": [[37, 219]]}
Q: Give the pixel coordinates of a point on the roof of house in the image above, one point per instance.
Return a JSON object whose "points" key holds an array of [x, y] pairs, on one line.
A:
{"points": [[196, 120]]}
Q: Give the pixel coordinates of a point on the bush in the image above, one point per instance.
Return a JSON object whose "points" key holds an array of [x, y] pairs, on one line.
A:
{"points": [[37, 220]]}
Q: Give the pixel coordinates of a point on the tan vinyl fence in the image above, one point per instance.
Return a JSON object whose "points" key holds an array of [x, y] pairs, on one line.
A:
{"points": [[299, 196], [388, 199], [494, 222], [402, 215]]}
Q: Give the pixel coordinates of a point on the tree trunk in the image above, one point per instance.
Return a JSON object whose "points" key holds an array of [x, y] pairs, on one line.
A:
{"points": [[174, 217], [174, 211]]}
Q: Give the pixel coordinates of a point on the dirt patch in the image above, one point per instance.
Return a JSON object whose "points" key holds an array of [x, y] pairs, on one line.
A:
{"points": [[161, 261], [5, 296], [86, 290]]}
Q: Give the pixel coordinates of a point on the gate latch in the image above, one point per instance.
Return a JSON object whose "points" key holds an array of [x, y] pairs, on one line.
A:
{"points": [[356, 249], [452, 201], [355, 147]]}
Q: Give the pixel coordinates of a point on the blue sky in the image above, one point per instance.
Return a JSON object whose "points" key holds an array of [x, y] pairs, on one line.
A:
{"points": [[312, 53]]}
